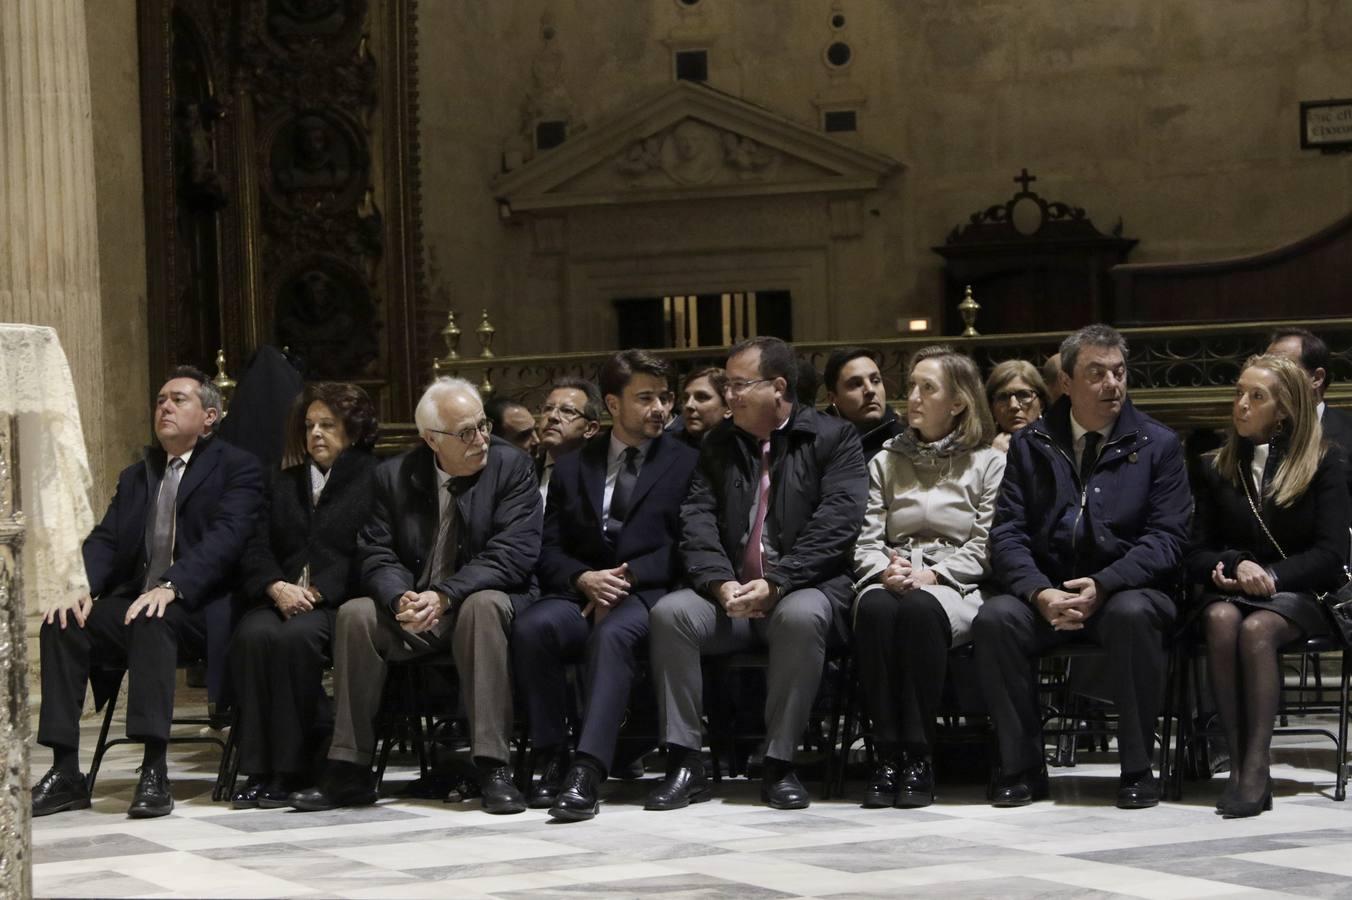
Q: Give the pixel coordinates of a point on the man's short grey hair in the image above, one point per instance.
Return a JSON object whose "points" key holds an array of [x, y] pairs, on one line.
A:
{"points": [[208, 393], [427, 415], [1097, 335]]}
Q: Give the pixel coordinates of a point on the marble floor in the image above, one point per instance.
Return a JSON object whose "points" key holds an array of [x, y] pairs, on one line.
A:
{"points": [[1076, 845]]}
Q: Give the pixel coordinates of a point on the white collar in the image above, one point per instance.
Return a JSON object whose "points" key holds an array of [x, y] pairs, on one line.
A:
{"points": [[1078, 431], [617, 448]]}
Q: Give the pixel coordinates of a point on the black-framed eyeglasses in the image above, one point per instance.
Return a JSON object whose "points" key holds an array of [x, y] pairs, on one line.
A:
{"points": [[566, 414], [466, 435], [1022, 397], [741, 387]]}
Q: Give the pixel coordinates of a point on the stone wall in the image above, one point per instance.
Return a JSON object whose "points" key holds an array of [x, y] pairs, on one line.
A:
{"points": [[116, 106], [1179, 116]]}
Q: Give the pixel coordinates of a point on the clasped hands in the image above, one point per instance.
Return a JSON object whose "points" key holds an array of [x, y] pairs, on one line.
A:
{"points": [[292, 599], [899, 577], [1069, 609], [752, 600], [1250, 578], [419, 611], [604, 589]]}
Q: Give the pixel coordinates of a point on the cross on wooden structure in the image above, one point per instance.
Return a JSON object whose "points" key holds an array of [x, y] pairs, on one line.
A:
{"points": [[1023, 179]]}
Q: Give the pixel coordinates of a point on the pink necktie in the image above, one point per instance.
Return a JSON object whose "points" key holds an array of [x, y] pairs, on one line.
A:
{"points": [[753, 560]]}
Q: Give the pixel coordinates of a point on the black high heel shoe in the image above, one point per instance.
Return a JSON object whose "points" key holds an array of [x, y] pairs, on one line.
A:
{"points": [[1228, 795], [1244, 809]]}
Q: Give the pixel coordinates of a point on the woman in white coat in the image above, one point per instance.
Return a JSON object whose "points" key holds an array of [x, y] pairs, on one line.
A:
{"points": [[920, 560]]}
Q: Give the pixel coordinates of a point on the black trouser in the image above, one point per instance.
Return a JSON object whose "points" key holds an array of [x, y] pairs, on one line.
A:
{"points": [[277, 665], [551, 634], [149, 649], [1130, 626], [901, 643]]}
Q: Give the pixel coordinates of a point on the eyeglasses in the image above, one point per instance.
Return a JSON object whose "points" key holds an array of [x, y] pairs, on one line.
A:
{"points": [[466, 435], [741, 387], [1024, 397], [566, 414]]}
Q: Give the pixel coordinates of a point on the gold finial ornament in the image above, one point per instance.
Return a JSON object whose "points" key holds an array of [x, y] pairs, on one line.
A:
{"points": [[969, 308], [451, 335], [486, 386], [224, 383], [485, 333]]}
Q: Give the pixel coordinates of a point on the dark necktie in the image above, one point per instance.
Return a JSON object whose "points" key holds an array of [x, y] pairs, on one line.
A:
{"points": [[1090, 455], [162, 527], [624, 489], [753, 557], [444, 550]]}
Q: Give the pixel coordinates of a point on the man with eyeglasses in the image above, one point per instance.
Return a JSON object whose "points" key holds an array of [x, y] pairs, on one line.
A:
{"points": [[776, 504], [569, 417], [1090, 528], [446, 560], [611, 528]]}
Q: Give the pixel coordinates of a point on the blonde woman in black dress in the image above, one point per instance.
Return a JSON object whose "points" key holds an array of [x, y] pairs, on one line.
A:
{"points": [[1270, 532]]}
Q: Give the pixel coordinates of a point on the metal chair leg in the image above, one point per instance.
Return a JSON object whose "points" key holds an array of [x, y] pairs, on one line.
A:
{"points": [[101, 747]]}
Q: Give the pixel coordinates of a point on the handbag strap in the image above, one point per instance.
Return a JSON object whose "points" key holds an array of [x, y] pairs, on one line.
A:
{"points": [[1248, 495]]}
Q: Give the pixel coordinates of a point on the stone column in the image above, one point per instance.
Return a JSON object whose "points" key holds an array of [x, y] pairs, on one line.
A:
{"points": [[15, 843], [48, 276], [49, 271]]}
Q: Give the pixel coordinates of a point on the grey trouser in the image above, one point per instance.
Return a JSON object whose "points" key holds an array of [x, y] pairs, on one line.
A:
{"points": [[684, 625], [366, 640]]}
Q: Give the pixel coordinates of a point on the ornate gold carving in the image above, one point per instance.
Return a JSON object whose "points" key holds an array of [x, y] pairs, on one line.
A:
{"points": [[223, 381], [485, 333], [969, 308]]}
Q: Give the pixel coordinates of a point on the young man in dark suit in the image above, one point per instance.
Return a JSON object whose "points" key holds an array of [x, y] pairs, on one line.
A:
{"points": [[160, 568], [446, 561], [612, 522]]}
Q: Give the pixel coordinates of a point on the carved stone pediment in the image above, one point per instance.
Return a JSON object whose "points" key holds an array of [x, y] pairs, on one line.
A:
{"points": [[689, 142]]}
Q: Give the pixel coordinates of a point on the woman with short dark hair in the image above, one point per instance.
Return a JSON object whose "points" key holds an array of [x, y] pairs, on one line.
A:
{"points": [[299, 568], [1269, 534]]}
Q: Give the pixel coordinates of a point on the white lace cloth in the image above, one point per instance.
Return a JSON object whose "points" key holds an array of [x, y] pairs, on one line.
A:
{"points": [[54, 479]]}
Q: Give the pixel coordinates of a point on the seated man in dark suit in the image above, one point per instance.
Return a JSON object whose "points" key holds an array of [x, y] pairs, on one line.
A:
{"points": [[1090, 528], [446, 561], [1309, 351], [611, 526], [160, 566], [856, 392], [774, 508], [570, 416]]}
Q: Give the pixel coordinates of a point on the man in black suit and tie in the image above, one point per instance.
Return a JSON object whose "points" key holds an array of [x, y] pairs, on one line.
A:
{"points": [[1312, 354], [160, 566], [612, 522], [446, 561]]}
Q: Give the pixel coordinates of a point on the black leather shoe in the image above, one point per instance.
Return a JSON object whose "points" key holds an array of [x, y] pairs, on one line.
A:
{"points": [[785, 792], [1021, 788], [881, 792], [334, 794], [1139, 790], [247, 796], [579, 799], [499, 795], [274, 795], [550, 782], [916, 787], [152, 798], [684, 785], [58, 791]]}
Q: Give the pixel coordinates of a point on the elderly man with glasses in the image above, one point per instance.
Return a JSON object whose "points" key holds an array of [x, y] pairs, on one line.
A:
{"points": [[446, 561]]}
